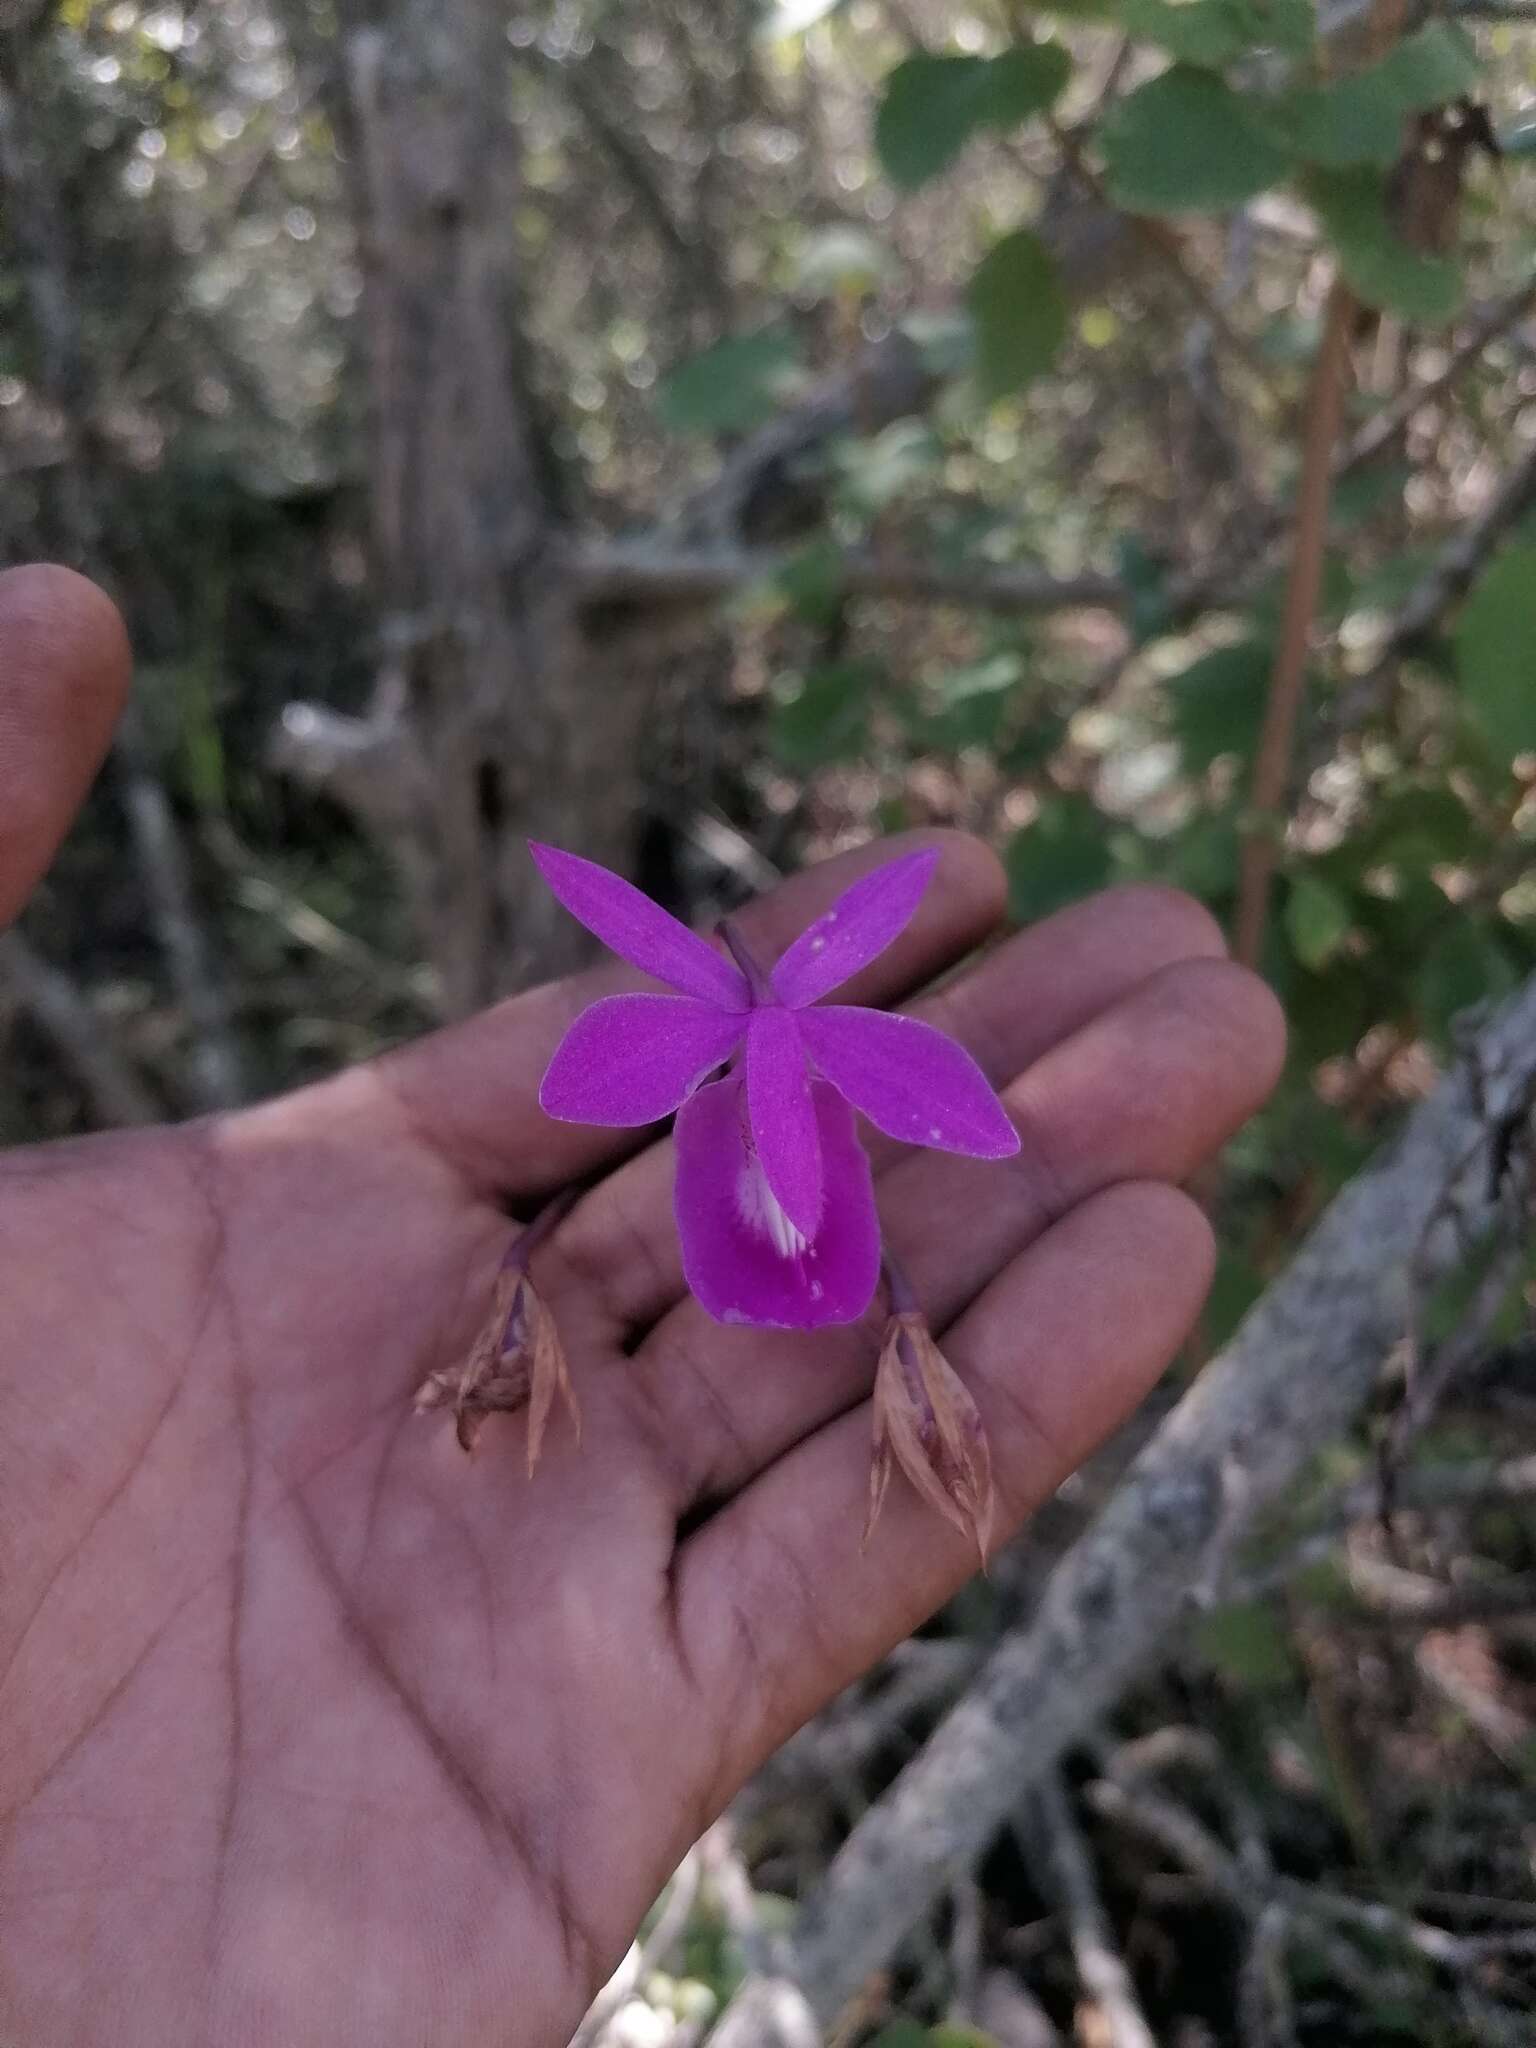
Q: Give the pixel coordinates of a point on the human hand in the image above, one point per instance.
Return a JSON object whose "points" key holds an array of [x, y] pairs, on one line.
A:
{"points": [[314, 1731]]}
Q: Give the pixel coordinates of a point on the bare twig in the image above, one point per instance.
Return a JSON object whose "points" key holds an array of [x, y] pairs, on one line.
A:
{"points": [[1265, 2018], [1390, 1594], [618, 572], [215, 1063], [653, 1953], [1486, 324], [1050, 1838], [61, 1011], [1453, 570], [1429, 1383], [733, 1894], [1434, 1488]]}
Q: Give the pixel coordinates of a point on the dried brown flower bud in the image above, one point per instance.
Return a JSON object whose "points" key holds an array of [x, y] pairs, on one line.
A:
{"points": [[516, 1361], [927, 1423]]}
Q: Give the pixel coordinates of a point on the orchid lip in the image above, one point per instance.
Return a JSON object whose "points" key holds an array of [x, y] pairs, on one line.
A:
{"points": [[761, 1210]]}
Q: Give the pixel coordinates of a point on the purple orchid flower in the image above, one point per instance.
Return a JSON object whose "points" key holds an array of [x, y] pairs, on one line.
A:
{"points": [[774, 1197]]}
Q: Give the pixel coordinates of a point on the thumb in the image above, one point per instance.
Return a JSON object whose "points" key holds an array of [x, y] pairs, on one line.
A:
{"points": [[63, 678]]}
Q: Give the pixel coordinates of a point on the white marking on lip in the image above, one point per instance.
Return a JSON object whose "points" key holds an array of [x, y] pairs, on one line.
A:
{"points": [[762, 1212]]}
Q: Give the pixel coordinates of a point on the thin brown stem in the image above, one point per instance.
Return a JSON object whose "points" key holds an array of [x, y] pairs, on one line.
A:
{"points": [[1272, 766]]}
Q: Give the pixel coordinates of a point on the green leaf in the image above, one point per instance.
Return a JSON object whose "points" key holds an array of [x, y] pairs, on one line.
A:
{"points": [[974, 699], [827, 719], [735, 385], [1218, 702], [933, 105], [889, 464], [1464, 965], [1362, 493], [1355, 120], [1420, 825], [1203, 858], [1383, 269], [1019, 311], [1435, 64], [1317, 920], [1236, 1287], [1186, 143], [1359, 119], [1495, 644], [1062, 856], [902, 2033], [1145, 576], [1213, 32], [811, 581], [1250, 1645]]}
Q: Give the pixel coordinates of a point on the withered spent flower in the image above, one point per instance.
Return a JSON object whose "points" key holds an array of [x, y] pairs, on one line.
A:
{"points": [[516, 1361], [926, 1422]]}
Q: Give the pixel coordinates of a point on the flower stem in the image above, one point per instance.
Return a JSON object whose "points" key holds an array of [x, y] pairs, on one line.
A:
{"points": [[746, 960], [532, 1235], [903, 1295]]}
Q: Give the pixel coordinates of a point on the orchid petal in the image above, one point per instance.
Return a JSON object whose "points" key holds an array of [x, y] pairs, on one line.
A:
{"points": [[739, 1262], [639, 930], [861, 924], [632, 1059], [911, 1081], [782, 1118]]}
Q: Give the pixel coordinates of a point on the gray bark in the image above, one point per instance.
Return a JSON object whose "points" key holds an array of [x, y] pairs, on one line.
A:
{"points": [[1295, 1375], [482, 687]]}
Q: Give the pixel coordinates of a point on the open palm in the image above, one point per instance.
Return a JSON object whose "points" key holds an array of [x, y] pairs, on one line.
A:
{"points": [[314, 1730]]}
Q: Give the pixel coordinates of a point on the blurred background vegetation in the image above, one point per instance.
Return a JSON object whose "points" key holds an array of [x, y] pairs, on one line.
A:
{"points": [[707, 433]]}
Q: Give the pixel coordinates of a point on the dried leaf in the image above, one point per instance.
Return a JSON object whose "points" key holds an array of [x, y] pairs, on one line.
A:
{"points": [[516, 1361], [926, 1422]]}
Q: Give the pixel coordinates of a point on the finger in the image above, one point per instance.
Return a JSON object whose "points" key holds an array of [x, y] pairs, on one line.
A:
{"points": [[1008, 1010], [1145, 1091], [776, 1608], [472, 1090], [63, 678]]}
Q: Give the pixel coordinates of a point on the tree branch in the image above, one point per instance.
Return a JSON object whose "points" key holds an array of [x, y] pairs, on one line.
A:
{"points": [[635, 572], [1455, 568], [1298, 1370]]}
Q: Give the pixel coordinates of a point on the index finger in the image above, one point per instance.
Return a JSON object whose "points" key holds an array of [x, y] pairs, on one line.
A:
{"points": [[471, 1091], [63, 678]]}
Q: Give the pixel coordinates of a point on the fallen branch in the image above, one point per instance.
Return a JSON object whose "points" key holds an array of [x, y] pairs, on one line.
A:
{"points": [[1296, 1373]]}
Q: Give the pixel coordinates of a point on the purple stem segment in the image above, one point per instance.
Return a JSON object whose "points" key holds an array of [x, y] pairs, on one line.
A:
{"points": [[544, 1224]]}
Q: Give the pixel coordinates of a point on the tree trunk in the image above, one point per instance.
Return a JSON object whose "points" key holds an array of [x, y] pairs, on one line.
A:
{"points": [[491, 716]]}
